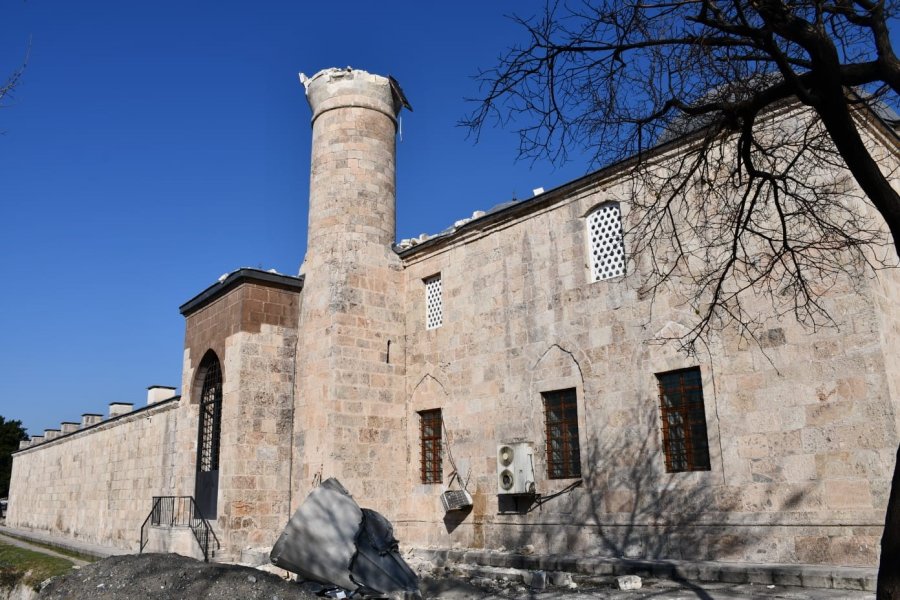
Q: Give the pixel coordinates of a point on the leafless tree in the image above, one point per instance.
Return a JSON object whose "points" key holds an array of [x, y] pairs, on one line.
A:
{"points": [[761, 140], [14, 79]]}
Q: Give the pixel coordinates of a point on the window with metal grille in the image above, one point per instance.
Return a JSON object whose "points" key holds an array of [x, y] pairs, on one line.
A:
{"points": [[210, 415], [430, 435], [434, 316], [683, 419], [604, 226], [563, 450]]}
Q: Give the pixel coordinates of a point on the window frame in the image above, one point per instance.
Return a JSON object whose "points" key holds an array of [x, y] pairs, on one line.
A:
{"points": [[431, 448], [562, 435], [691, 416]]}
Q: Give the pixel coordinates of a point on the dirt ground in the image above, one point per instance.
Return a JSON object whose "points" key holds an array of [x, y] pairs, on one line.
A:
{"points": [[173, 577]]}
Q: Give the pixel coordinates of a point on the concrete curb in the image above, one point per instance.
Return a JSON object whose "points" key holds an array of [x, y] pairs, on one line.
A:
{"points": [[809, 576]]}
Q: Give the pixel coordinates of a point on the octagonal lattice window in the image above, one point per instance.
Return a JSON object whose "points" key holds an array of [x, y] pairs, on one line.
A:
{"points": [[607, 250]]}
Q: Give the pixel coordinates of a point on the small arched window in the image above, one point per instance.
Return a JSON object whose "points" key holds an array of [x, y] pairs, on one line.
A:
{"points": [[605, 244]]}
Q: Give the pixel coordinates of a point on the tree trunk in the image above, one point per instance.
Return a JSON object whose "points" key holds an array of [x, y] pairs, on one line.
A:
{"points": [[889, 568], [839, 123]]}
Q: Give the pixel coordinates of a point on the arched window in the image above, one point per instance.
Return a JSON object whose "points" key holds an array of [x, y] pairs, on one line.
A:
{"points": [[605, 245], [209, 433]]}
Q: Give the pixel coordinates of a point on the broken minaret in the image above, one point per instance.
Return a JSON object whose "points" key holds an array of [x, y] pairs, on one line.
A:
{"points": [[350, 412]]}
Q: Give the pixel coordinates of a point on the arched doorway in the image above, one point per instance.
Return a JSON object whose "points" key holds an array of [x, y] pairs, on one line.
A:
{"points": [[209, 433]]}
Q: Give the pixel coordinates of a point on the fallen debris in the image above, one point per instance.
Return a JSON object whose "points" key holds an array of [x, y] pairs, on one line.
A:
{"points": [[331, 540], [628, 582], [561, 579], [536, 580]]}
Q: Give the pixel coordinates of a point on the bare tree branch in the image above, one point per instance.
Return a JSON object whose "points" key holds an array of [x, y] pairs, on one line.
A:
{"points": [[750, 176]]}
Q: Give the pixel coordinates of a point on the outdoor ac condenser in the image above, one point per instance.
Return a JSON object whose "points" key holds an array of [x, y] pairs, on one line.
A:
{"points": [[515, 468], [456, 500]]}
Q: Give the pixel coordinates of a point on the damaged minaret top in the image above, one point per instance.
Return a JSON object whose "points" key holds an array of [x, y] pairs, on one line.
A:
{"points": [[352, 178], [352, 78]]}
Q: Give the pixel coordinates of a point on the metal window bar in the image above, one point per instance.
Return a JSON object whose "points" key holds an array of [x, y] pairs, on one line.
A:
{"points": [[563, 446], [210, 418], [430, 423], [179, 511], [683, 419]]}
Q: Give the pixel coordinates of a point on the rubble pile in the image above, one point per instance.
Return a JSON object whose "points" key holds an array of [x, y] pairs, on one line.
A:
{"points": [[168, 576]]}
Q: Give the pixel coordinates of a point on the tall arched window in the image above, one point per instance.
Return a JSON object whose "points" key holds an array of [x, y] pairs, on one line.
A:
{"points": [[209, 433], [605, 245]]}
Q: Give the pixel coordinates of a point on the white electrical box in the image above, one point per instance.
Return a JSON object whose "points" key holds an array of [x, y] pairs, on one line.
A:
{"points": [[515, 468]]}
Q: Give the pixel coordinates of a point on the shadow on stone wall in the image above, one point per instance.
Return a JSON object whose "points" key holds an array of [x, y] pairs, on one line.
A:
{"points": [[641, 511], [631, 508]]}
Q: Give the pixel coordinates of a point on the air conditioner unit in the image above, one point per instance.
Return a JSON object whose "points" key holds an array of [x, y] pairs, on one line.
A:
{"points": [[515, 468], [456, 500]]}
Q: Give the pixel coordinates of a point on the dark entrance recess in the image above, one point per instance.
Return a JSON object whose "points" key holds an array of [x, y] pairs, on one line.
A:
{"points": [[207, 486]]}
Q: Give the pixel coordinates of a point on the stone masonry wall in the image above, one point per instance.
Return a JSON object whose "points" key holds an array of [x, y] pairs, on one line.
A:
{"points": [[802, 430], [97, 485], [252, 330]]}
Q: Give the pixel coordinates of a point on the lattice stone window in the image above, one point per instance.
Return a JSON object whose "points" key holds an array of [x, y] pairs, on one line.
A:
{"points": [[604, 225], [431, 423], [434, 310], [683, 420], [563, 448]]}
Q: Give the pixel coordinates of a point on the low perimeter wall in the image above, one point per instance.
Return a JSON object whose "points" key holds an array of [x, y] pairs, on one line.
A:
{"points": [[96, 484]]}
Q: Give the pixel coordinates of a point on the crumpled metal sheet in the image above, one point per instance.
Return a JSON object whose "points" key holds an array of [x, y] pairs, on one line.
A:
{"points": [[332, 540], [318, 542], [377, 564]]}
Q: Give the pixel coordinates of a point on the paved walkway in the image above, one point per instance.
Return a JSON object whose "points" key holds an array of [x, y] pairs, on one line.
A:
{"points": [[656, 589], [791, 576]]}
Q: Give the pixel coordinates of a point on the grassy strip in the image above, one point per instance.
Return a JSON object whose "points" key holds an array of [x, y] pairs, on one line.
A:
{"points": [[18, 565], [88, 558]]}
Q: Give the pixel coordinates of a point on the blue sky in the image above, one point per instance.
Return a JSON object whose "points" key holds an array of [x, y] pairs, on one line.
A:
{"points": [[153, 146]]}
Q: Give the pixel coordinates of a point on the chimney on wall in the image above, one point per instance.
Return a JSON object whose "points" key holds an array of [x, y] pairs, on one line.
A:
{"points": [[50, 434], [68, 427], [119, 408], [158, 393], [88, 419]]}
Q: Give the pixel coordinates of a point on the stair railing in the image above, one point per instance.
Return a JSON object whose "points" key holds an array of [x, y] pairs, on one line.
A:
{"points": [[180, 511]]}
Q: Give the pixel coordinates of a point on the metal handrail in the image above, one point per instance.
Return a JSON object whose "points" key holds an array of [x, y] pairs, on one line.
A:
{"points": [[180, 511], [146, 524]]}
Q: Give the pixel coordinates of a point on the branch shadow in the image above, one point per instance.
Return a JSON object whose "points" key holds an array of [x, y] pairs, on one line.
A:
{"points": [[632, 509]]}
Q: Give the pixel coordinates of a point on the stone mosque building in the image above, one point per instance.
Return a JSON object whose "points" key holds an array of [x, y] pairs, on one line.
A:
{"points": [[510, 358]]}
